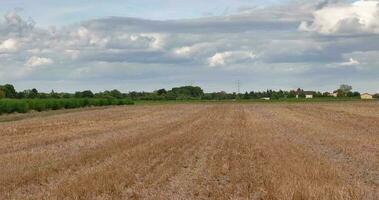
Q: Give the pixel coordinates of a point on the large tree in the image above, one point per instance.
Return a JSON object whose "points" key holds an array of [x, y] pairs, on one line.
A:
{"points": [[84, 94], [2, 94], [346, 88], [161, 92], [188, 91], [9, 91]]}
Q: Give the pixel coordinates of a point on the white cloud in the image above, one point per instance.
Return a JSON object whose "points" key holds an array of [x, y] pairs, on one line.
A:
{"points": [[85, 37], [358, 17], [153, 41], [133, 37], [229, 57], [83, 32], [9, 45], [35, 61], [351, 62], [218, 59], [157, 40], [183, 51], [187, 51]]}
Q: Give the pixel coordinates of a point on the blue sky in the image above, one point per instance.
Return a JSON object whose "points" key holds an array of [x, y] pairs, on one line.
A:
{"points": [[48, 12], [150, 44]]}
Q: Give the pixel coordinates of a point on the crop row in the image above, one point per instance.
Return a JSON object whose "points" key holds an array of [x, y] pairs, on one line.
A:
{"points": [[26, 105]]}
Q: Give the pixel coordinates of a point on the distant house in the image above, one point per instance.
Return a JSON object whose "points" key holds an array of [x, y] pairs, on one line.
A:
{"points": [[307, 94], [333, 94], [366, 96]]}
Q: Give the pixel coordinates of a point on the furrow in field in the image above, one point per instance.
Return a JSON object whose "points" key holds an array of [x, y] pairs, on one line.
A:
{"points": [[149, 164], [54, 162], [338, 145], [213, 151], [344, 143], [64, 128]]}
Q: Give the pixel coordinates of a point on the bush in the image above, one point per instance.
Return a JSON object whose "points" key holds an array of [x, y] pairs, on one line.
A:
{"points": [[37, 104], [25, 105], [11, 106], [21, 107], [2, 94]]}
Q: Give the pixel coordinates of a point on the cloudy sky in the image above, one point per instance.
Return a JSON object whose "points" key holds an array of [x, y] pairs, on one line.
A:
{"points": [[150, 44]]}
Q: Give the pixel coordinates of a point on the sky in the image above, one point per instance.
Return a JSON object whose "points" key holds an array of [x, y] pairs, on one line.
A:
{"points": [[145, 45], [48, 12]]}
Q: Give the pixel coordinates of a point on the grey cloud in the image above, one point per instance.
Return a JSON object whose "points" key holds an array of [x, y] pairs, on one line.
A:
{"points": [[205, 25], [130, 56], [15, 26], [262, 47]]}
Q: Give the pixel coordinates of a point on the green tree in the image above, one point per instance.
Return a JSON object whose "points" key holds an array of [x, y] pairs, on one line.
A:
{"points": [[9, 90], [116, 94], [33, 93], [188, 92], [170, 96], [246, 95], [2, 94], [353, 94], [344, 90], [274, 95], [66, 95], [161, 92], [84, 94]]}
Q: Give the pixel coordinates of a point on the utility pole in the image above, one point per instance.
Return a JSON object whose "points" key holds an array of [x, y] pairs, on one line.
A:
{"points": [[238, 86]]}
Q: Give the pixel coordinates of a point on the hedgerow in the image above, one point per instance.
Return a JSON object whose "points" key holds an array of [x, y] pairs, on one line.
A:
{"points": [[26, 105]]}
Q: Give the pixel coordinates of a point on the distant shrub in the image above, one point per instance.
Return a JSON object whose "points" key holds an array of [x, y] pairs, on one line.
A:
{"points": [[37, 104], [10, 106], [25, 105], [21, 107], [2, 94]]}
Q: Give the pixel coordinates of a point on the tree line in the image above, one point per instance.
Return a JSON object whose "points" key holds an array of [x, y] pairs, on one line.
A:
{"points": [[176, 93]]}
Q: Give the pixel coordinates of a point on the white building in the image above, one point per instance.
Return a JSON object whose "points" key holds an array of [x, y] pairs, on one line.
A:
{"points": [[366, 96], [308, 94]]}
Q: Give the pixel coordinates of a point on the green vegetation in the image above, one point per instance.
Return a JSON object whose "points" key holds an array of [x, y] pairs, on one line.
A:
{"points": [[190, 93], [273, 101], [25, 105], [21, 102], [12, 101]]}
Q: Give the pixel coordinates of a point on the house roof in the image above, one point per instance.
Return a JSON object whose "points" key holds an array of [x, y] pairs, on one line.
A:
{"points": [[306, 92], [309, 92]]}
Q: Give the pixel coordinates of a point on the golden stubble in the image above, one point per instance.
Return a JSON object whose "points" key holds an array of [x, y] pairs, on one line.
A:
{"points": [[195, 151]]}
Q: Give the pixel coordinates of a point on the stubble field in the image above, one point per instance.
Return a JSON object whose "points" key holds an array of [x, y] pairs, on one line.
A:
{"points": [[195, 151]]}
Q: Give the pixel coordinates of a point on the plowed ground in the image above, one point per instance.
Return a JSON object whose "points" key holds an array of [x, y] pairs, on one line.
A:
{"points": [[199, 151]]}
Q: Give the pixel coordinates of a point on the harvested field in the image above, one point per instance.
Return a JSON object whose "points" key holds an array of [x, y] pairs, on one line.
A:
{"points": [[195, 151]]}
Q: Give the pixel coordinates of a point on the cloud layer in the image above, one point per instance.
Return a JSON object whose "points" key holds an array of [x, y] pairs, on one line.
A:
{"points": [[358, 17], [317, 45]]}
